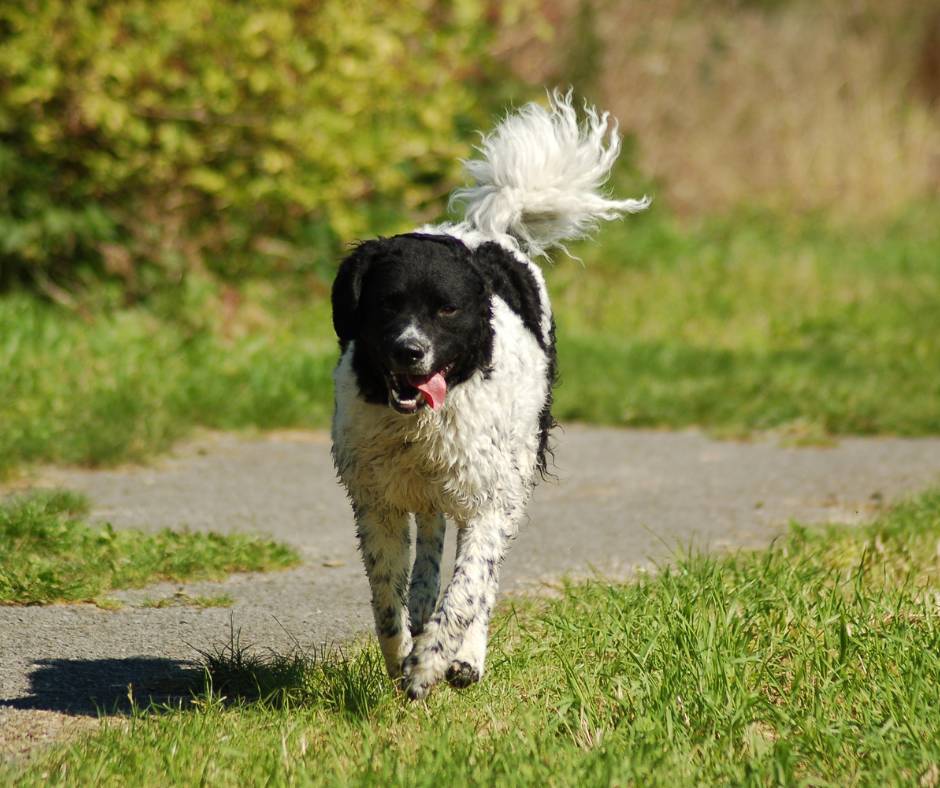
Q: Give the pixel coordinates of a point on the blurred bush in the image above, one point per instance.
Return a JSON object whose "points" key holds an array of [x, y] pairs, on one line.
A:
{"points": [[148, 138], [796, 106]]}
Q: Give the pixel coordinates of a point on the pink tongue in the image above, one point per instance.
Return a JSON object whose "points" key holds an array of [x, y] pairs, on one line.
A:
{"points": [[434, 388]]}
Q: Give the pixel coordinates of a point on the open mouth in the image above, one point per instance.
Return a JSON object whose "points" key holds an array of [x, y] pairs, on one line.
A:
{"points": [[408, 393]]}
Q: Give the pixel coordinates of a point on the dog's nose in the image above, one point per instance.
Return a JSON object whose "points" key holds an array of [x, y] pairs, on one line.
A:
{"points": [[410, 352]]}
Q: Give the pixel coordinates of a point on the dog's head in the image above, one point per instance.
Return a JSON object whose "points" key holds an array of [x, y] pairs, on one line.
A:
{"points": [[418, 308]]}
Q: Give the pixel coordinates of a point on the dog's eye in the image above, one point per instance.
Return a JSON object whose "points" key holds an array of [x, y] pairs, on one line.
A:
{"points": [[448, 310]]}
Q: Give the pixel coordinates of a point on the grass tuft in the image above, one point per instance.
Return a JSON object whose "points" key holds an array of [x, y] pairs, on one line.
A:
{"points": [[331, 679], [49, 554]]}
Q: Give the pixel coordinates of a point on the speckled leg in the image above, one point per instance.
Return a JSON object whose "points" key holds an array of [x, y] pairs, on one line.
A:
{"points": [[385, 542], [466, 668], [426, 575], [464, 609]]}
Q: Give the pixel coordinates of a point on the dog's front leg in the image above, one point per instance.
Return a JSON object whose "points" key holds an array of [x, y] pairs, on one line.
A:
{"points": [[426, 575], [385, 542], [464, 612], [466, 667]]}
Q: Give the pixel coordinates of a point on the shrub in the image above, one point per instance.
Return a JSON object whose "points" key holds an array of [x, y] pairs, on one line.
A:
{"points": [[144, 138]]}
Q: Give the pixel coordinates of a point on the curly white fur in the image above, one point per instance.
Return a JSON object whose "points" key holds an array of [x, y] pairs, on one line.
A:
{"points": [[541, 176]]}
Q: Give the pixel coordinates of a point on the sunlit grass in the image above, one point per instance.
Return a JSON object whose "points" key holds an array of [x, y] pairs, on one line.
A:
{"points": [[754, 323], [129, 383], [48, 553], [814, 662]]}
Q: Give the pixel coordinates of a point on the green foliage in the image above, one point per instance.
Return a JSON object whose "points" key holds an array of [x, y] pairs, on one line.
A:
{"points": [[47, 554], [813, 663], [148, 137]]}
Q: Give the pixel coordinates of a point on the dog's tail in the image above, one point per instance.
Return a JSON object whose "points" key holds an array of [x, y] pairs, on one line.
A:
{"points": [[541, 177]]}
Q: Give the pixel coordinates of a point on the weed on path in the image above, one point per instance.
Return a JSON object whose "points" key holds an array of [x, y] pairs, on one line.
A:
{"points": [[49, 554]]}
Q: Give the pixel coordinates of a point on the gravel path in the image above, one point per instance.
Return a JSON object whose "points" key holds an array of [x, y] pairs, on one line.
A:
{"points": [[622, 499]]}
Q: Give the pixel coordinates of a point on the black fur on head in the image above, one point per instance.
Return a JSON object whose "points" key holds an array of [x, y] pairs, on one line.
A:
{"points": [[414, 304], [441, 290]]}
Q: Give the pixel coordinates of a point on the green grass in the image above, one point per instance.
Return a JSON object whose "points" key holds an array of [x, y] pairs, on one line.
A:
{"points": [[753, 323], [815, 662], [736, 324], [49, 554], [128, 383]]}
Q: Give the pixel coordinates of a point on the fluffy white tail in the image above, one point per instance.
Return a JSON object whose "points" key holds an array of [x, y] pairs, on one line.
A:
{"points": [[541, 176]]}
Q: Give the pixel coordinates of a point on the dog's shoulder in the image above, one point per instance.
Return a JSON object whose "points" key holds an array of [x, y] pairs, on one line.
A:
{"points": [[516, 284]]}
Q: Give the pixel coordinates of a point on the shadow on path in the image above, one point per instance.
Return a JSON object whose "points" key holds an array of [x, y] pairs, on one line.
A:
{"points": [[96, 687]]}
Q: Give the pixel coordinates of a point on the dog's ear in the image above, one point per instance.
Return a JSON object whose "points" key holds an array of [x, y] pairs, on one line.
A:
{"points": [[347, 287]]}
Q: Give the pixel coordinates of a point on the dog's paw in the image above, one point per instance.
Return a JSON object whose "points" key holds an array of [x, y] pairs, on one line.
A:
{"points": [[394, 651], [417, 677], [423, 668], [461, 675]]}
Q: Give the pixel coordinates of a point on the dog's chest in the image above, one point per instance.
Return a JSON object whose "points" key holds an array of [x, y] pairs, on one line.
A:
{"points": [[478, 451], [454, 461]]}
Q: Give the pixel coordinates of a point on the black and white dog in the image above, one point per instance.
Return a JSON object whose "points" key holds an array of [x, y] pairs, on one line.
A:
{"points": [[444, 385]]}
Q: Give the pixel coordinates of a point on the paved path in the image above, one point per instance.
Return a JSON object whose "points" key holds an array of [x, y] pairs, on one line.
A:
{"points": [[622, 498]]}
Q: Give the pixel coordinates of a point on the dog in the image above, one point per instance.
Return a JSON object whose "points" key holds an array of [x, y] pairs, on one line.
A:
{"points": [[443, 389]]}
